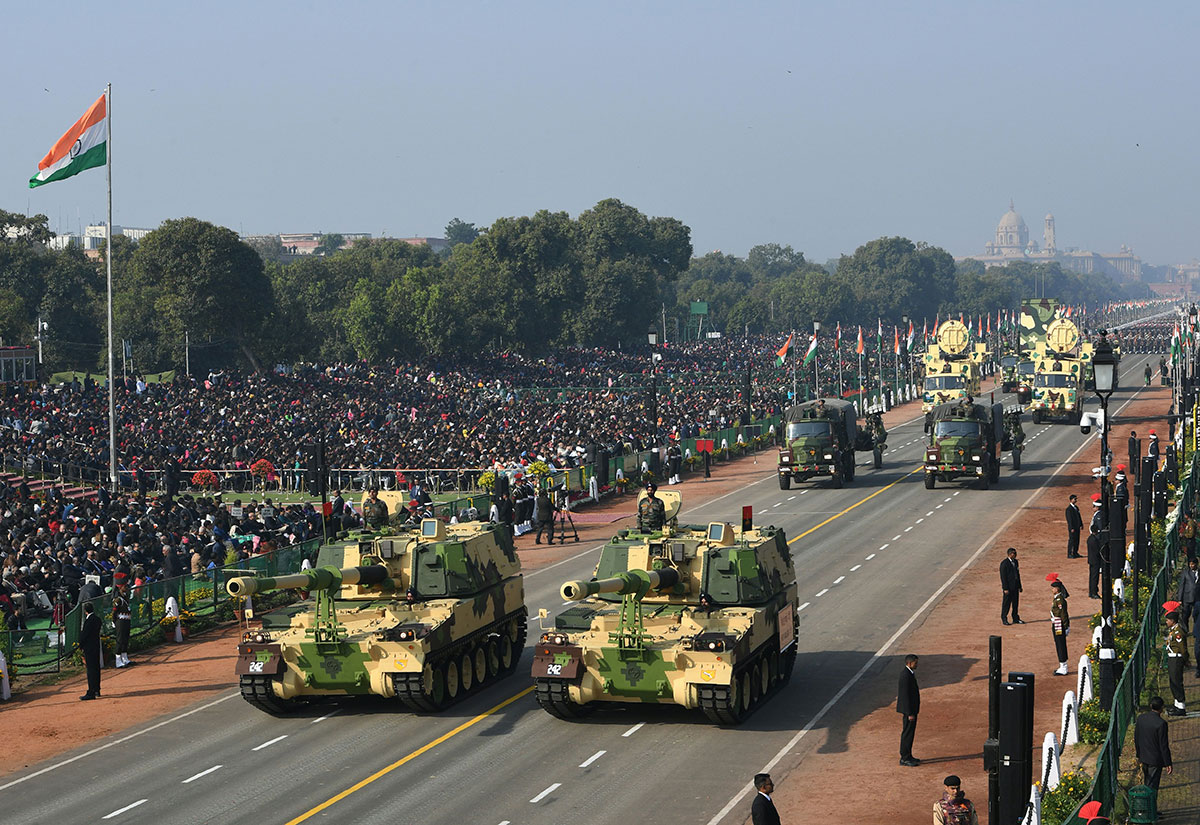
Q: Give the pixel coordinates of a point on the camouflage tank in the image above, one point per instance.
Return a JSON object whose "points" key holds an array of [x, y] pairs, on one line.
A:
{"points": [[424, 616], [699, 616]]}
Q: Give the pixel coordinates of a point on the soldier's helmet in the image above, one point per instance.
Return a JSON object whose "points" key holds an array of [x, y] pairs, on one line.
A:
{"points": [[651, 487]]}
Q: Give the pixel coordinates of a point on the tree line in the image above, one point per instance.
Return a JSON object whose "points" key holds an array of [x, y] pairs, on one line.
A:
{"points": [[529, 284]]}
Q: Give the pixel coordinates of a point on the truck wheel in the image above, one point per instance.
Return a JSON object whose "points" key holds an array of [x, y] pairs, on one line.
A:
{"points": [[983, 480], [994, 471], [785, 482], [930, 481], [877, 454], [838, 481], [1037, 416], [850, 468], [1016, 458]]}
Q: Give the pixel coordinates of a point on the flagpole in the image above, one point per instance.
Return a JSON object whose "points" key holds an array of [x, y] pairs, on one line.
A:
{"points": [[112, 416], [795, 398]]}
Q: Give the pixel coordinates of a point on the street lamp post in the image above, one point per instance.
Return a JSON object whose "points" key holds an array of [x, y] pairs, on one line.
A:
{"points": [[816, 364], [1104, 366], [907, 355], [652, 338]]}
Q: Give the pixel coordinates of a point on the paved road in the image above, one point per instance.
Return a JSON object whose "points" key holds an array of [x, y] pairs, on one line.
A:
{"points": [[870, 557]]}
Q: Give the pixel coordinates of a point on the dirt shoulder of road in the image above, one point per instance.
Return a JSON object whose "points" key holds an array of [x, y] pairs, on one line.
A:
{"points": [[953, 722]]}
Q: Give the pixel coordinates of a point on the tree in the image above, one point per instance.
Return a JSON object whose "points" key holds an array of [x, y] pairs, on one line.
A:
{"points": [[268, 247], [459, 232], [329, 244], [190, 275], [893, 276]]}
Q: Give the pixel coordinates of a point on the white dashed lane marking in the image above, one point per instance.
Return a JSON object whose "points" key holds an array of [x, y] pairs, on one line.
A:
{"points": [[801, 607], [839, 580], [930, 513], [895, 538], [631, 731], [202, 773], [592, 758], [777, 504], [906, 529], [822, 593], [886, 546], [855, 567], [918, 521], [790, 498], [270, 742], [120, 811], [547, 792]]}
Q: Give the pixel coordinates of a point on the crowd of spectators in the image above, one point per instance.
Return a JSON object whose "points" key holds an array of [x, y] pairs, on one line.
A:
{"points": [[55, 552]]}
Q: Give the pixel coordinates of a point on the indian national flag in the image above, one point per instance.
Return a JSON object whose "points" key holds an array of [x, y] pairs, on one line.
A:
{"points": [[896, 340], [83, 146], [812, 351], [781, 356], [859, 348]]}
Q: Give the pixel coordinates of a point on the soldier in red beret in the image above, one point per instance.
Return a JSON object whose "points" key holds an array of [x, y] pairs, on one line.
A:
{"points": [[122, 616]]}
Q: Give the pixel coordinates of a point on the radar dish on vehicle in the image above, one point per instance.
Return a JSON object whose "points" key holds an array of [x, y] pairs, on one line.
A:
{"points": [[954, 337]]}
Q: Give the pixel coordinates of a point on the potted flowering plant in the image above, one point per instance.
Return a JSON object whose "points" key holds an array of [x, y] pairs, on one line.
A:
{"points": [[205, 480], [263, 470]]}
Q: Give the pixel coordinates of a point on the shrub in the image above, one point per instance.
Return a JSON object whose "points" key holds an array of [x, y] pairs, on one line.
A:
{"points": [[1093, 722], [1060, 802]]}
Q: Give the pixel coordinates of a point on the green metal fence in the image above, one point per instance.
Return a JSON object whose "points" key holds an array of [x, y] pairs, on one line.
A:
{"points": [[1105, 783], [40, 651]]}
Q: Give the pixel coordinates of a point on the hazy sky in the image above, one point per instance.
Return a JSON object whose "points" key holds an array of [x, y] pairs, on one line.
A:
{"points": [[817, 124]]}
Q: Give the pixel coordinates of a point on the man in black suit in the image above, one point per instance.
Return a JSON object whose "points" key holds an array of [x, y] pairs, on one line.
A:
{"points": [[908, 705], [89, 643], [1074, 525], [1010, 582], [762, 810], [1153, 746], [1095, 561], [1188, 596]]}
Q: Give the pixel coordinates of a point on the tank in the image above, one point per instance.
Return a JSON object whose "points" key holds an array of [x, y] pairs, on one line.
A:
{"points": [[424, 616], [702, 616]]}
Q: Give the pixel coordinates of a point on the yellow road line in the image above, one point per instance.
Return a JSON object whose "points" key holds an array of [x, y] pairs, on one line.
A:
{"points": [[427, 747], [855, 504]]}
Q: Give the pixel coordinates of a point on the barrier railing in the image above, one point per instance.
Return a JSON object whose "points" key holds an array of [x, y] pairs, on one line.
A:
{"points": [[1105, 785]]}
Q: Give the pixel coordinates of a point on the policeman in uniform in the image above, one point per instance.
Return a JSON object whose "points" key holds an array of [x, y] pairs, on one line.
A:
{"points": [[375, 512], [1060, 621], [1177, 653], [954, 808], [674, 460], [122, 617], [652, 513], [1152, 449]]}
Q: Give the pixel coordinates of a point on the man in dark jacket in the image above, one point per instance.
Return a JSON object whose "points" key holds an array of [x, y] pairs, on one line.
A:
{"points": [[1010, 583], [1095, 562], [908, 705], [89, 643], [762, 810], [1188, 596], [545, 518], [1074, 526], [1153, 746]]}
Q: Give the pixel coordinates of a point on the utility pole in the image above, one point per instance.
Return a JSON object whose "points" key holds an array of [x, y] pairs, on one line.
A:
{"points": [[187, 353], [40, 328]]}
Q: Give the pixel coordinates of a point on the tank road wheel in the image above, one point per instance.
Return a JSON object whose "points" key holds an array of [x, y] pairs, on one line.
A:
{"points": [[877, 454], [491, 652], [746, 690], [466, 671], [516, 631], [453, 685], [505, 655], [553, 696], [257, 691], [930, 481], [426, 694], [771, 668], [481, 663], [785, 482], [763, 671], [787, 661]]}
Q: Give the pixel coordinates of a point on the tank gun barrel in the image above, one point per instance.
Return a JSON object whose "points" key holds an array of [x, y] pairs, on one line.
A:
{"points": [[323, 578], [636, 582]]}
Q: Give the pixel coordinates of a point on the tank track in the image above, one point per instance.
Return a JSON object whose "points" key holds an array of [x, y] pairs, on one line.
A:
{"points": [[722, 703], [410, 687], [553, 696], [257, 691]]}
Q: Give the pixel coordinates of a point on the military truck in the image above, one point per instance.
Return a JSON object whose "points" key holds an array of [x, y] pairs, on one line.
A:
{"points": [[1036, 316], [702, 616], [964, 442], [425, 616], [1025, 381], [952, 366], [1008, 372], [1060, 367], [819, 440]]}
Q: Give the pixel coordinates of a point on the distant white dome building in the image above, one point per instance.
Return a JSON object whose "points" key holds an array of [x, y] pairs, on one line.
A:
{"points": [[1012, 235]]}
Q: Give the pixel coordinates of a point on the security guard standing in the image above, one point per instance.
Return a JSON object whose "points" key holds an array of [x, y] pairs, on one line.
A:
{"points": [[122, 616], [375, 512], [652, 513], [89, 643], [1177, 652], [674, 460], [1060, 621]]}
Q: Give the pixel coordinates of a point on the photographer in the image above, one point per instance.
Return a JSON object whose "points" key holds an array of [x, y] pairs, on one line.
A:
{"points": [[546, 508]]}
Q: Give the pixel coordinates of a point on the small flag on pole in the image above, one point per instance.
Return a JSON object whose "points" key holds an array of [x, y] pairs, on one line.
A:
{"points": [[837, 339], [859, 348], [781, 356], [83, 146], [812, 351]]}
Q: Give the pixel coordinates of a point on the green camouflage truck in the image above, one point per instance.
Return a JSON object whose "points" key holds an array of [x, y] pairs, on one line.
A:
{"points": [[953, 366], [1061, 364], [964, 442], [424, 616], [819, 440], [1036, 316], [701, 616]]}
